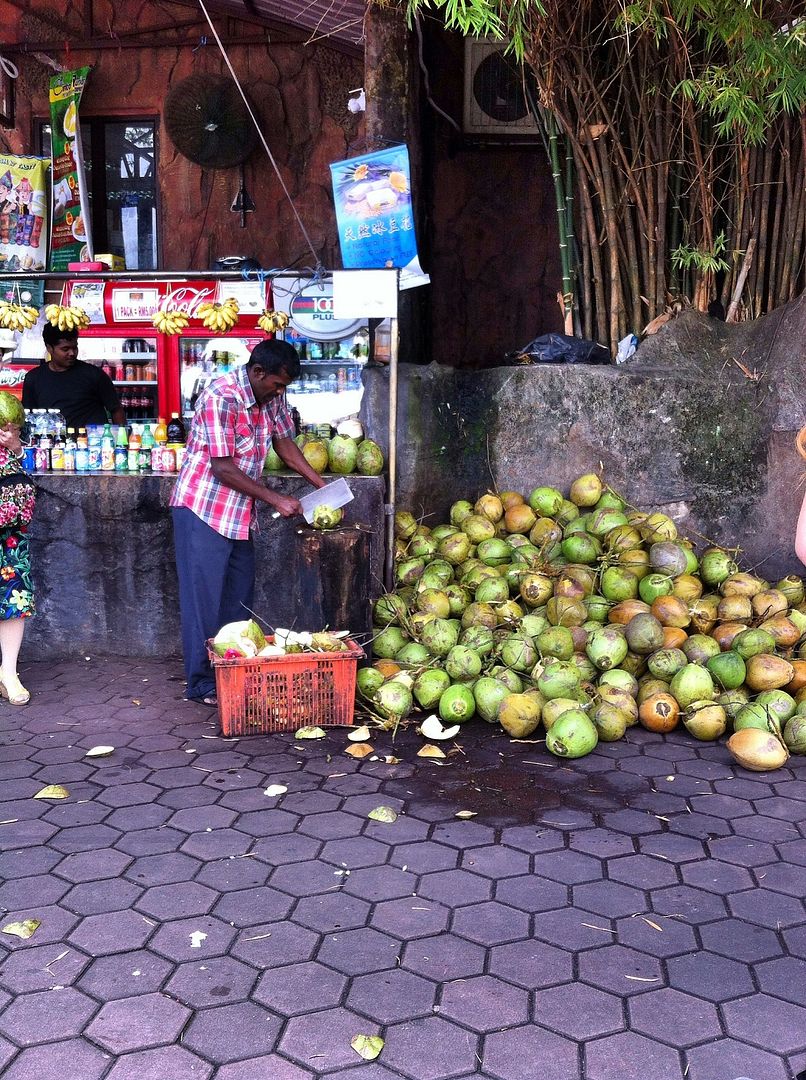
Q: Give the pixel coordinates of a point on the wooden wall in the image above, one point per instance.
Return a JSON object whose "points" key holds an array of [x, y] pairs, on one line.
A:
{"points": [[300, 93]]}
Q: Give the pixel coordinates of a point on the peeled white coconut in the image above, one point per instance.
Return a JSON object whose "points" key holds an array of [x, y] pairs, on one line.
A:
{"points": [[432, 728], [352, 428]]}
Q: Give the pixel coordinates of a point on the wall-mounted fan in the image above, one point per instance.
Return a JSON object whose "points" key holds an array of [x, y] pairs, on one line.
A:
{"points": [[208, 122]]}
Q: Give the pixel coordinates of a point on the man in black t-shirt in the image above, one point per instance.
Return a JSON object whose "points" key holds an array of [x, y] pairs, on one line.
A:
{"points": [[81, 392]]}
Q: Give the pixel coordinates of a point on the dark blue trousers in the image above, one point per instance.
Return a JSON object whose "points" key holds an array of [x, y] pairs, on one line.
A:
{"points": [[216, 586]]}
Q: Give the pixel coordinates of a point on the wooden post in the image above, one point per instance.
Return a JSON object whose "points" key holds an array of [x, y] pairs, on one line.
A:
{"points": [[331, 580]]}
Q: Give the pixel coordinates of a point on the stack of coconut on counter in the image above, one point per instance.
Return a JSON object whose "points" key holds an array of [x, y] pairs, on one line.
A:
{"points": [[586, 617]]}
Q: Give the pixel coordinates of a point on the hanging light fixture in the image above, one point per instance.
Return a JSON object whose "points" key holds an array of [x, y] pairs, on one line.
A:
{"points": [[243, 203]]}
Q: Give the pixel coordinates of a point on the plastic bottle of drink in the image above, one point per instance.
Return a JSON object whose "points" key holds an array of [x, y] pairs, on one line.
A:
{"points": [[70, 450], [82, 451], [107, 449], [57, 454], [147, 444], [160, 432], [54, 423], [94, 448], [176, 429], [121, 451], [133, 452]]}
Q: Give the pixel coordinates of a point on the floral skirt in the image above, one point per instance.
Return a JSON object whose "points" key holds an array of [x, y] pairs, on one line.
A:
{"points": [[16, 584]]}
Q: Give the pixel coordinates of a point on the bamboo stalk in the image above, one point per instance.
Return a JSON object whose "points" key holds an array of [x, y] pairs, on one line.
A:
{"points": [[733, 307]]}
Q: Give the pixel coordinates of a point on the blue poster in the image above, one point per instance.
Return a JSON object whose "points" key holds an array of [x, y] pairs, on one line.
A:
{"points": [[374, 214]]}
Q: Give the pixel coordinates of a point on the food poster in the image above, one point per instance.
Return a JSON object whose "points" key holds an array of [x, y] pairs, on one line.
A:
{"points": [[374, 214], [70, 239], [23, 213]]}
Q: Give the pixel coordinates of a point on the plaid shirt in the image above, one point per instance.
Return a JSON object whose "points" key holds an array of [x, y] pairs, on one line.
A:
{"points": [[228, 422]]}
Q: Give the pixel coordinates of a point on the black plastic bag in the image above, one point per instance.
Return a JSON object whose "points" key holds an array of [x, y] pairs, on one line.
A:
{"points": [[560, 349]]}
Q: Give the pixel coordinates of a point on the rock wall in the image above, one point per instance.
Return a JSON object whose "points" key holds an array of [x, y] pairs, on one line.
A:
{"points": [[105, 578], [682, 428], [299, 93]]}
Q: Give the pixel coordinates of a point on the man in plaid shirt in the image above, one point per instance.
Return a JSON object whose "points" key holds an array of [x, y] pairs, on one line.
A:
{"points": [[237, 416]]}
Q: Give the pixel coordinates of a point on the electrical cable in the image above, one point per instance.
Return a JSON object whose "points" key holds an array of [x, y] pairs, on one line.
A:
{"points": [[261, 135], [427, 81]]}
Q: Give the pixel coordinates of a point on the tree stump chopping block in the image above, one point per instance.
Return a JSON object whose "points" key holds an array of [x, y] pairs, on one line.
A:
{"points": [[331, 580]]}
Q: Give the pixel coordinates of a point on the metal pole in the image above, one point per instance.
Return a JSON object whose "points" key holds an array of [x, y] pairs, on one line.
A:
{"points": [[160, 275], [389, 573]]}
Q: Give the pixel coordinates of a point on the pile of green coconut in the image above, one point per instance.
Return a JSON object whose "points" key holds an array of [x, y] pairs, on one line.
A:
{"points": [[342, 455], [584, 617]]}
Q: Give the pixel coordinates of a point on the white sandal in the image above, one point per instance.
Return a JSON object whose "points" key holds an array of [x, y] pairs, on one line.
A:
{"points": [[13, 691]]}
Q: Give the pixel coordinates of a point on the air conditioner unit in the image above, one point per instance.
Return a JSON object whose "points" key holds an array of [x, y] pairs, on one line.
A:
{"points": [[494, 100]]}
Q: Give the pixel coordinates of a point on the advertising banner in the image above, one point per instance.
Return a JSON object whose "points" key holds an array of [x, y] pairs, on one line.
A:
{"points": [[374, 214], [70, 239], [23, 213]]}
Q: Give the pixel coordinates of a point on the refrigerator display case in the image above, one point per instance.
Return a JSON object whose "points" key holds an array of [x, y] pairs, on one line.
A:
{"points": [[157, 374]]}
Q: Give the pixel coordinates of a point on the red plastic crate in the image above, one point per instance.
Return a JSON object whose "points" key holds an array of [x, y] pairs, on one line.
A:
{"points": [[263, 694]]}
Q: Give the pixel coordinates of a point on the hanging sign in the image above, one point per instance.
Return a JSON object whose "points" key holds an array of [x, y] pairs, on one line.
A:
{"points": [[70, 239], [23, 213], [372, 194]]}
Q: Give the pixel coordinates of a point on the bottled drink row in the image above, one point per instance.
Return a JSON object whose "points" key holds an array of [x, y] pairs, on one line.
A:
{"points": [[54, 447]]}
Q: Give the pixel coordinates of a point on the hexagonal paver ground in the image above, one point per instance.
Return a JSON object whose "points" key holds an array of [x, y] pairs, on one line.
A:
{"points": [[635, 915]]}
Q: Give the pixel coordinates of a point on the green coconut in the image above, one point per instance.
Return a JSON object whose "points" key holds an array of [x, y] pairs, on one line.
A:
{"points": [[572, 735], [607, 647], [462, 663], [342, 454], [429, 686], [369, 459], [274, 463], [316, 454], [546, 501], [457, 704], [519, 714], [368, 680], [488, 694], [388, 642], [692, 683]]}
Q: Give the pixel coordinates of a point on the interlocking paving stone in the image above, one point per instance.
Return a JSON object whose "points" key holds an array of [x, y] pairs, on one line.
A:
{"points": [[430, 1049], [125, 974], [45, 1016], [300, 988], [784, 978], [212, 981], [166, 1061], [527, 1052], [138, 1023], [531, 964], [489, 949], [712, 977], [321, 1040], [484, 1003], [270, 1067], [780, 1025], [629, 1056], [443, 957], [232, 1032], [70, 1058], [392, 996], [675, 1018], [30, 969], [579, 1011], [621, 970], [731, 1058]]}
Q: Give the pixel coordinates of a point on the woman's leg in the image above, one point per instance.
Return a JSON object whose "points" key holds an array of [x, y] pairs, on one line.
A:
{"points": [[11, 634]]}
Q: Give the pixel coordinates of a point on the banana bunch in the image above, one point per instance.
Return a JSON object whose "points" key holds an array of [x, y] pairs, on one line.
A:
{"points": [[170, 322], [16, 316], [272, 321], [220, 317], [67, 318]]}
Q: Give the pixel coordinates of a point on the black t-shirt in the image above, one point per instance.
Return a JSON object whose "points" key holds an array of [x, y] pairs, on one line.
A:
{"points": [[83, 394]]}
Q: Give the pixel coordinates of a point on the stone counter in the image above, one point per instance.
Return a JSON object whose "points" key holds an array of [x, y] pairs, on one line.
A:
{"points": [[102, 553]]}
